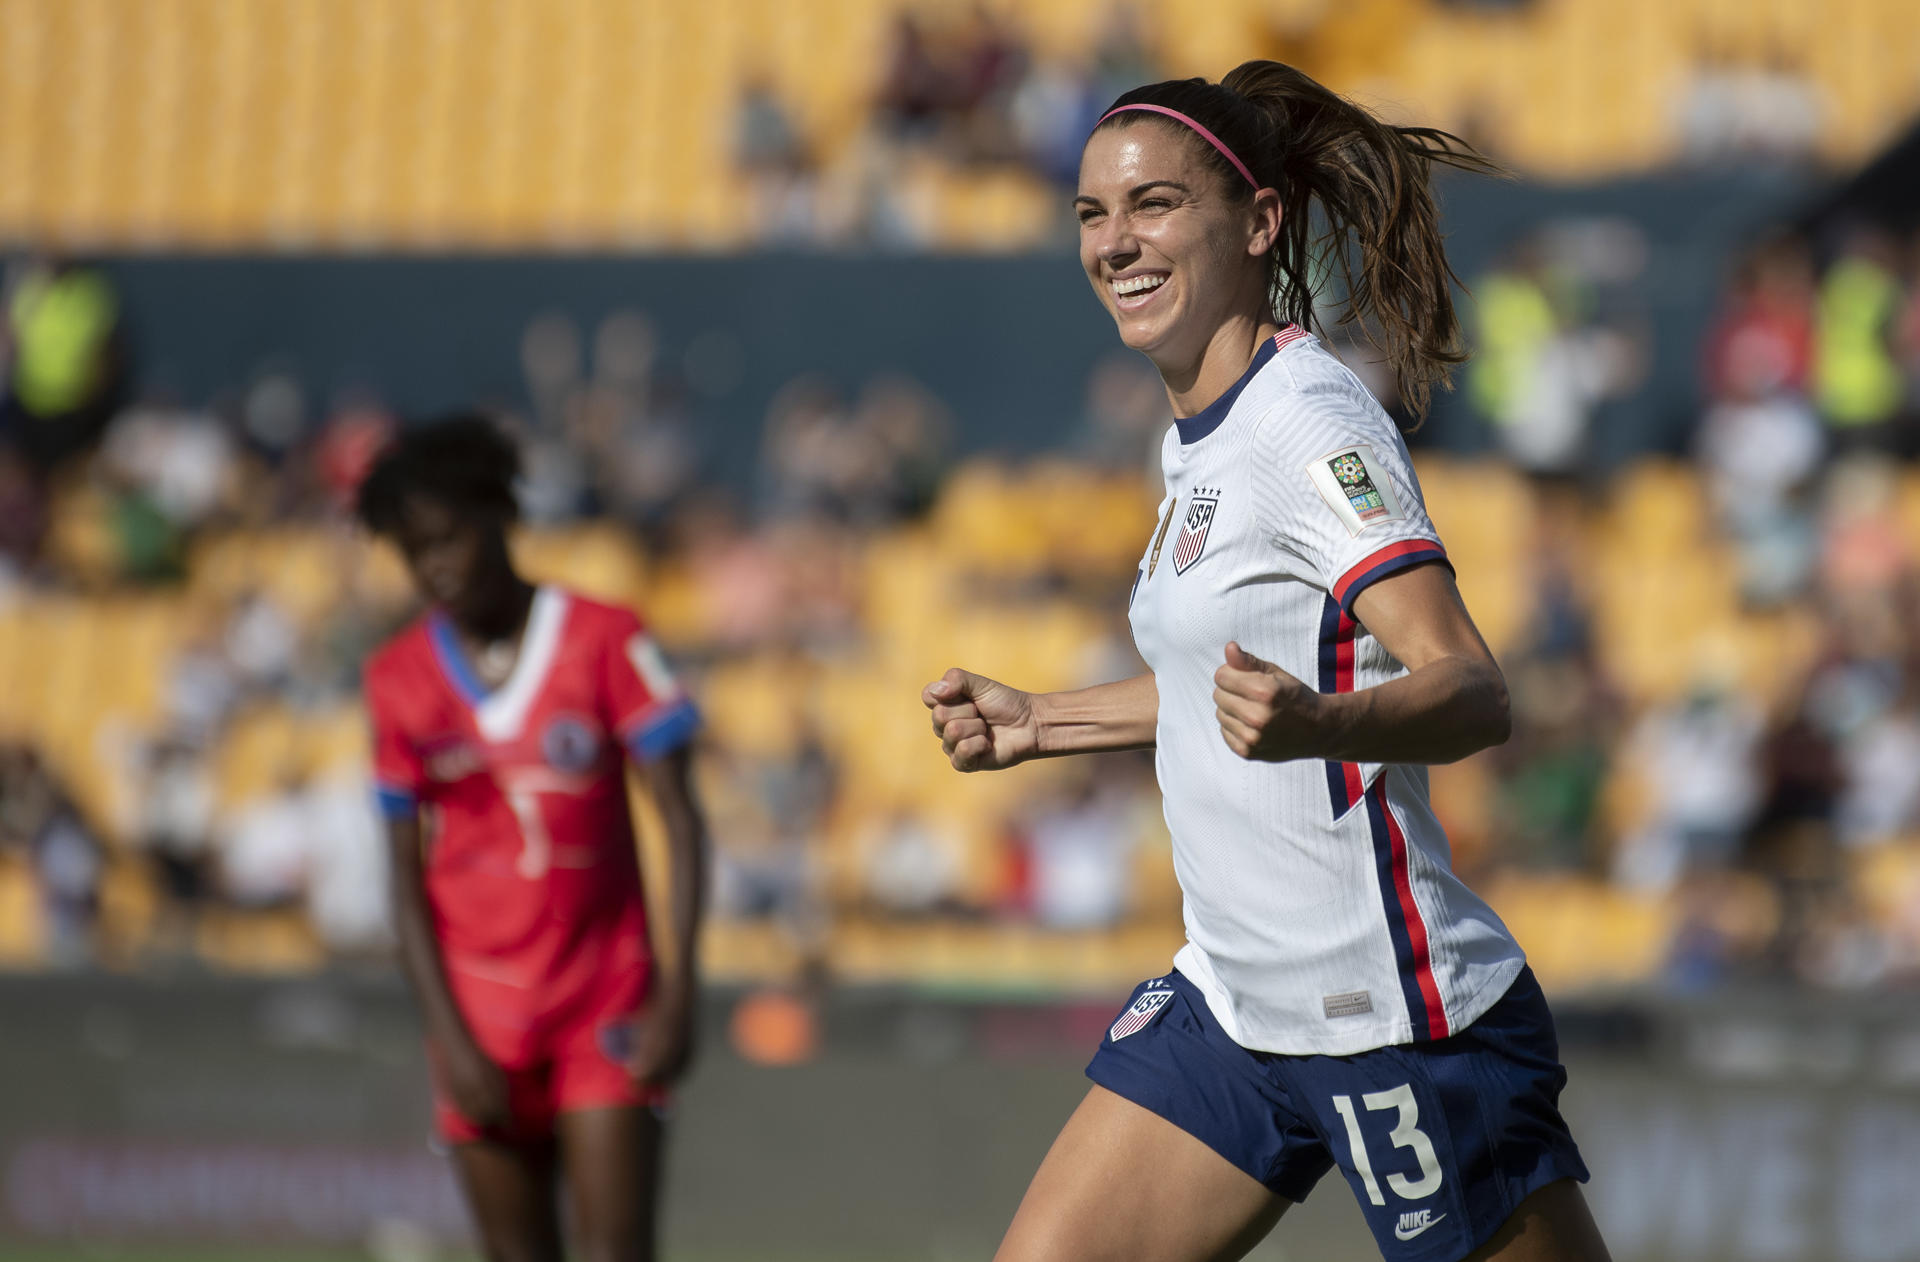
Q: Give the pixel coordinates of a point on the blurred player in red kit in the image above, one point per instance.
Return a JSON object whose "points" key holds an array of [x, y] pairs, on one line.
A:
{"points": [[503, 719]]}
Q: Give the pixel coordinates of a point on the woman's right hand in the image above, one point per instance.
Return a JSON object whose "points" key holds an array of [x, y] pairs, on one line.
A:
{"points": [[983, 725], [478, 1085]]}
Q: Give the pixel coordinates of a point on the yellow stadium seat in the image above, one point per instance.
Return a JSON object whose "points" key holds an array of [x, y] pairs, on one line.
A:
{"points": [[22, 927], [259, 749], [273, 942], [129, 905], [601, 560]]}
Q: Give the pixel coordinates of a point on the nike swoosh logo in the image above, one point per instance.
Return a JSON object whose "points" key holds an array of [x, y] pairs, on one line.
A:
{"points": [[1401, 1233]]}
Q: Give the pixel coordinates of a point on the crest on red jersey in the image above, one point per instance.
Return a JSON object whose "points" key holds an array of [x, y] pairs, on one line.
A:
{"points": [[570, 744]]}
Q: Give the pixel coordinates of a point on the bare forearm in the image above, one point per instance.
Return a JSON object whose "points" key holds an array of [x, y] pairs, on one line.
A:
{"points": [[687, 843], [1444, 711], [420, 956], [426, 972], [1120, 715], [670, 783]]}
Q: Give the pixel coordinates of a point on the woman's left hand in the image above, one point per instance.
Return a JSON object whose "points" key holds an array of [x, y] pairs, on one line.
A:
{"points": [[1266, 715], [664, 1045]]}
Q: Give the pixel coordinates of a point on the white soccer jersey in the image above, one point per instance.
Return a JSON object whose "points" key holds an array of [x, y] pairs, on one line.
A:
{"points": [[1321, 908]]}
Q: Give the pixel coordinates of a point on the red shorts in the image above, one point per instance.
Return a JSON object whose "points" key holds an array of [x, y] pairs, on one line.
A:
{"points": [[565, 1053]]}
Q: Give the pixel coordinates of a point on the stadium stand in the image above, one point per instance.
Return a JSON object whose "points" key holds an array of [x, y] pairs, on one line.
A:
{"points": [[425, 123], [82, 667]]}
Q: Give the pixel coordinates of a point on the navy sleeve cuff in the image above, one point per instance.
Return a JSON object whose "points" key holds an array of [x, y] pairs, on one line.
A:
{"points": [[394, 802], [1377, 565], [665, 732]]}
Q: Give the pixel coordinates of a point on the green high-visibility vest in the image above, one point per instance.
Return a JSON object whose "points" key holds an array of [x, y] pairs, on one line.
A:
{"points": [[60, 325], [1515, 320], [1856, 379]]}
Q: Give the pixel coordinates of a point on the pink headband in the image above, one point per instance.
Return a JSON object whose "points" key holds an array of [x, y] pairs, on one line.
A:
{"points": [[1205, 135]]}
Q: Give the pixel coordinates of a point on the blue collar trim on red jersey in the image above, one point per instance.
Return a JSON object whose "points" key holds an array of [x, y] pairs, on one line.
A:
{"points": [[1207, 419], [453, 659]]}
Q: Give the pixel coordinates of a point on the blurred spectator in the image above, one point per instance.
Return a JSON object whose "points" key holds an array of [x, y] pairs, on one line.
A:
{"points": [[346, 877], [69, 862], [1051, 113], [38, 816], [911, 867], [1793, 844], [1079, 846], [631, 425], [740, 584], [1760, 443], [768, 150], [176, 459], [915, 89], [906, 429], [175, 834], [989, 62], [200, 689], [148, 545], [1555, 765], [798, 790], [1865, 547], [1540, 367], [1761, 342], [804, 453], [261, 644], [769, 821], [273, 415], [265, 846], [1735, 110], [652, 461], [315, 845], [1907, 338], [1881, 764], [1697, 762], [1858, 382], [68, 367], [866, 467], [23, 516], [346, 446]]}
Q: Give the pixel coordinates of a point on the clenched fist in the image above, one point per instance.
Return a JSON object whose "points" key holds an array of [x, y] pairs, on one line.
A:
{"points": [[1266, 715], [983, 725]]}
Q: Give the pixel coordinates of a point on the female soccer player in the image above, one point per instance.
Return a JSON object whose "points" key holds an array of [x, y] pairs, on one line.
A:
{"points": [[502, 720], [1342, 998]]}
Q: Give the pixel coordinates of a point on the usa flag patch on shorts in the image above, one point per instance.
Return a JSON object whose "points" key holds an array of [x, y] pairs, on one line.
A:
{"points": [[1141, 1011]]}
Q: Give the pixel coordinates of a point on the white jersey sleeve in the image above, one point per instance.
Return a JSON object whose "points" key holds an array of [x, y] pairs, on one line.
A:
{"points": [[1336, 488]]}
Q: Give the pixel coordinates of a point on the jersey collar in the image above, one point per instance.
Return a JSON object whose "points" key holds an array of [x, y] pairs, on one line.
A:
{"points": [[1207, 419], [501, 714]]}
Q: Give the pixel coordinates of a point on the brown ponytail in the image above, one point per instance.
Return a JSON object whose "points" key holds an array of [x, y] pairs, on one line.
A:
{"points": [[1378, 226]]}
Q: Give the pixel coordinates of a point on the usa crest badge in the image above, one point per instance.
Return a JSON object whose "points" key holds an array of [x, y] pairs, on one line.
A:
{"points": [[1138, 1013], [1193, 531]]}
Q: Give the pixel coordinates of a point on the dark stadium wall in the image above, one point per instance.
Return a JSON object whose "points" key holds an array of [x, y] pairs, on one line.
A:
{"points": [[1006, 341]]}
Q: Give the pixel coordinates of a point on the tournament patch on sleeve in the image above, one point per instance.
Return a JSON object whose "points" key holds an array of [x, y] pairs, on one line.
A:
{"points": [[1352, 483]]}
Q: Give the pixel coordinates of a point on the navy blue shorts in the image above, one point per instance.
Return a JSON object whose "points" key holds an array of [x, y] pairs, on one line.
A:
{"points": [[1441, 1141]]}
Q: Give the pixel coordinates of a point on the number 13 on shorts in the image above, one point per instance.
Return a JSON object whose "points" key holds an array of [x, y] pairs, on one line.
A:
{"points": [[1406, 1133]]}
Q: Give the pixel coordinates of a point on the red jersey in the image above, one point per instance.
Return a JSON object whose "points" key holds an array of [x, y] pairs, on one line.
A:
{"points": [[531, 852]]}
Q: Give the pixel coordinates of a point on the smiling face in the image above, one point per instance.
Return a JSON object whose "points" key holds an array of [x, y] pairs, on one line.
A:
{"points": [[1173, 251]]}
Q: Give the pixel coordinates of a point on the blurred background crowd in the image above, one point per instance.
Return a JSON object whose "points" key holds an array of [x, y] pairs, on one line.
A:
{"points": [[1704, 594]]}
